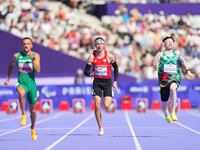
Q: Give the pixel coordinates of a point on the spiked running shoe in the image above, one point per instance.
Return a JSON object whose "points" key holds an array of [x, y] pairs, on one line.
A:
{"points": [[101, 131], [23, 120], [33, 134], [169, 120], [174, 118]]}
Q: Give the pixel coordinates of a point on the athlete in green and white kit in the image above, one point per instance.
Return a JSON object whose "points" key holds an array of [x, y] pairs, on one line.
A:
{"points": [[169, 75], [28, 62]]}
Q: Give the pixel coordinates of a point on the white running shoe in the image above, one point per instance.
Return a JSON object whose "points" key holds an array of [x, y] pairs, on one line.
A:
{"points": [[101, 131]]}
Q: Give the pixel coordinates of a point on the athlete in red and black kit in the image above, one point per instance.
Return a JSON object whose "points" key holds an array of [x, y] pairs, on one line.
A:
{"points": [[102, 62]]}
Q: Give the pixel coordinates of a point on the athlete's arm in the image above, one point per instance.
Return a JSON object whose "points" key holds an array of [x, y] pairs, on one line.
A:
{"points": [[158, 55], [157, 59], [88, 66], [10, 68], [114, 64], [182, 60], [36, 62]]}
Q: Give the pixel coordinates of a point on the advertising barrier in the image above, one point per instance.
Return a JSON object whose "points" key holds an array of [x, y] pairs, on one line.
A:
{"points": [[188, 89]]}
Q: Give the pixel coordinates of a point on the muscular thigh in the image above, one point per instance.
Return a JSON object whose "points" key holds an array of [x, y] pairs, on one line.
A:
{"points": [[21, 90], [107, 101], [173, 86]]}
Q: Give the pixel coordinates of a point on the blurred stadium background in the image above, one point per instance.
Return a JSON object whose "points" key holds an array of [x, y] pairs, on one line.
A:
{"points": [[64, 31]]}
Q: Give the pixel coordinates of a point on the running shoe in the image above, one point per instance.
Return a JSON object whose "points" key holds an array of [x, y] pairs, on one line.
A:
{"points": [[23, 120], [169, 120], [101, 131], [33, 134], [174, 118]]}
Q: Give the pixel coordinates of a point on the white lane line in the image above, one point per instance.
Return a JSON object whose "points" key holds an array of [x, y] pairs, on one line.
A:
{"points": [[68, 133], [28, 126], [9, 119], [184, 126], [194, 113], [137, 144], [180, 124]]}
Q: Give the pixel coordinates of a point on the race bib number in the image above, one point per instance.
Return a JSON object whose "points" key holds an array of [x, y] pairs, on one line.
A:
{"points": [[171, 69], [25, 67], [101, 71]]}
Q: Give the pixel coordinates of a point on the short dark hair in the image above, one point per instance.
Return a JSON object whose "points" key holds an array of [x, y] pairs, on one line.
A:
{"points": [[27, 38], [99, 38], [168, 37]]}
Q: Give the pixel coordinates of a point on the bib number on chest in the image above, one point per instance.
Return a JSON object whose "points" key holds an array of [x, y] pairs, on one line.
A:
{"points": [[25, 67], [101, 71], [171, 69]]}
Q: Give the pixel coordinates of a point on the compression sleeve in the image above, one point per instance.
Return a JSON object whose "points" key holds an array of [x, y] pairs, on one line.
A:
{"points": [[115, 70], [87, 69]]}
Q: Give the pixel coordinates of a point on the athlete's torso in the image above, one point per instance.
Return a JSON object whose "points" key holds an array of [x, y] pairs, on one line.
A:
{"points": [[168, 69], [25, 68], [101, 67]]}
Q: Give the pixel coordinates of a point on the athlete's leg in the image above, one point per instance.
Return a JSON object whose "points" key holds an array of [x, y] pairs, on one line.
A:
{"points": [[107, 92], [32, 100], [32, 109], [97, 101], [164, 91], [173, 98], [107, 102], [166, 112], [21, 93], [165, 108]]}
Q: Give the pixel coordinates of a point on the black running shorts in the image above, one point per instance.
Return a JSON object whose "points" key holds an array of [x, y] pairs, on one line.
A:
{"points": [[165, 91], [102, 86]]}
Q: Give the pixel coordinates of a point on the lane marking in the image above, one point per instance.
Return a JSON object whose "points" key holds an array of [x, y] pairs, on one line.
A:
{"points": [[68, 133], [180, 124], [28, 126], [193, 113], [9, 119], [137, 144], [184, 126]]}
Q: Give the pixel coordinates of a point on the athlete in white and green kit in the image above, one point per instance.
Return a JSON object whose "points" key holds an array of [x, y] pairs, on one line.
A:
{"points": [[169, 75], [28, 62]]}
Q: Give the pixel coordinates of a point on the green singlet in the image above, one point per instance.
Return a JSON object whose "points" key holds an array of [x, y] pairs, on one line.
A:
{"points": [[168, 70], [26, 76]]}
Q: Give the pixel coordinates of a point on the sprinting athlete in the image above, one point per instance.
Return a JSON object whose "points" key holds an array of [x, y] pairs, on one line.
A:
{"points": [[102, 62], [28, 62], [169, 75]]}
